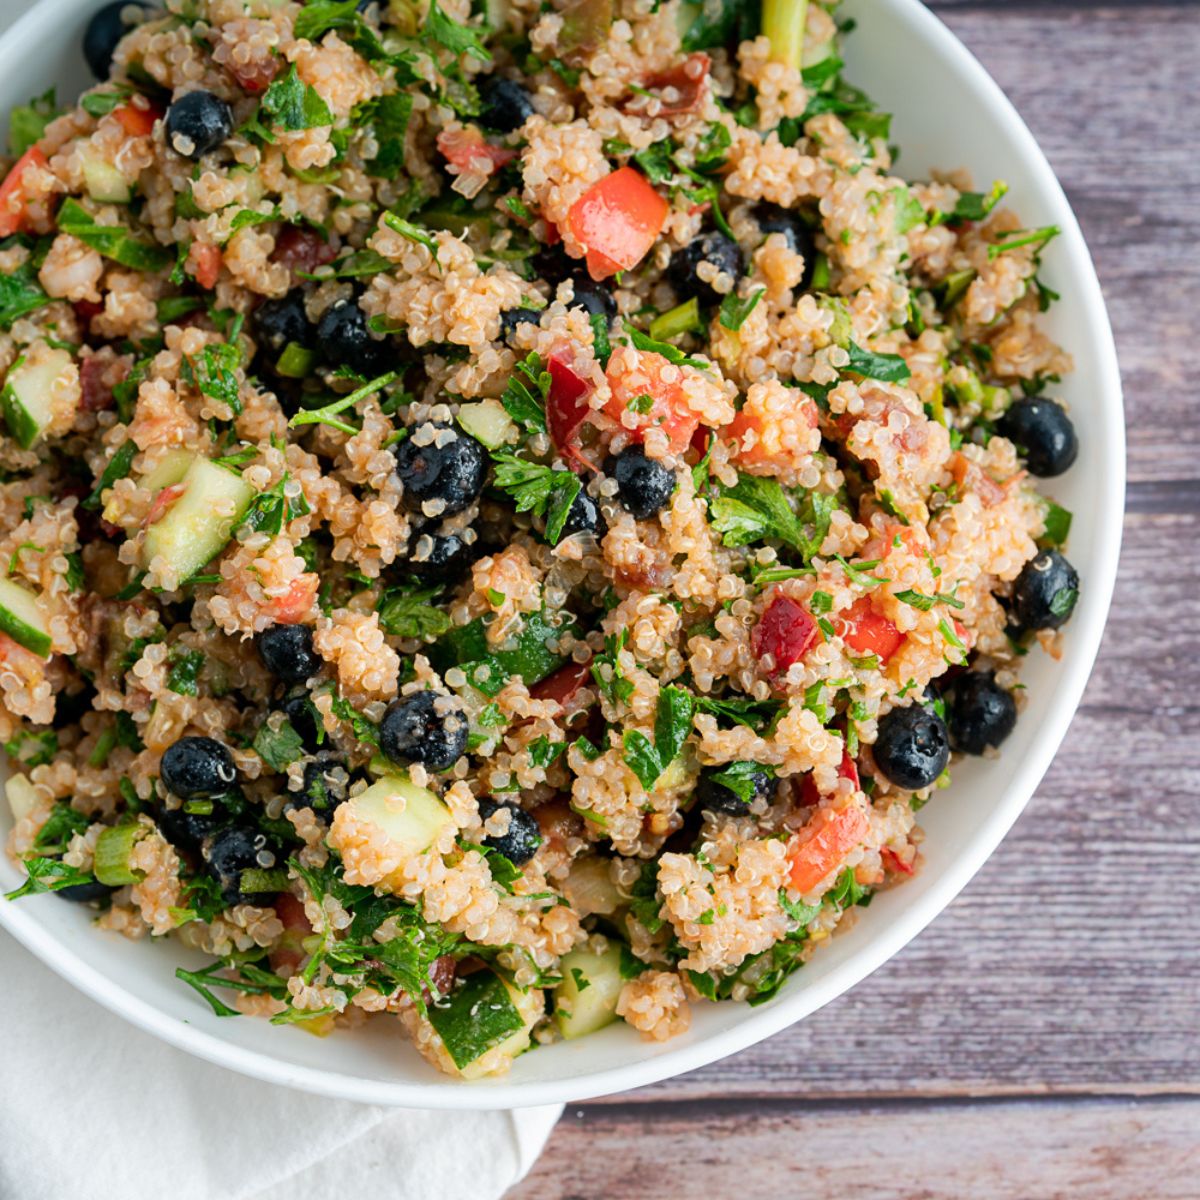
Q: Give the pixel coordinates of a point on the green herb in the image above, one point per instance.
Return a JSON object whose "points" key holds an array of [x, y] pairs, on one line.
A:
{"points": [[858, 573], [671, 353], [27, 122], [389, 118], [975, 206], [414, 233], [655, 161], [800, 913], [1063, 601], [641, 404], [616, 687], [213, 372], [734, 311], [846, 892], [672, 724], [408, 613], [358, 262], [117, 467], [741, 710], [460, 39], [112, 241], [269, 511], [601, 346], [1013, 238], [171, 308], [820, 602], [364, 730], [710, 154], [890, 368], [278, 748], [541, 490], [524, 396], [909, 213], [328, 414], [20, 292], [61, 826], [1057, 523], [30, 748], [542, 751], [100, 104], [645, 904], [954, 287], [48, 875], [757, 509], [504, 871], [948, 632], [293, 104], [683, 318], [184, 674], [741, 778]]}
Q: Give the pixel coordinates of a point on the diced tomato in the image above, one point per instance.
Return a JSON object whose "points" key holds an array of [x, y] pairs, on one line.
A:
{"points": [[635, 374], [566, 407], [785, 631], [686, 80], [810, 797], [14, 215], [162, 502], [848, 769], [894, 863], [971, 477], [817, 850], [85, 310], [288, 953], [564, 684], [553, 237], [255, 76], [204, 264], [617, 220], [468, 150], [293, 606], [137, 122], [300, 248], [866, 632]]}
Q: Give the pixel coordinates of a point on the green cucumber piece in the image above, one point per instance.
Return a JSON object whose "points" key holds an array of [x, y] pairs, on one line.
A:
{"points": [[194, 529], [296, 361], [113, 848], [102, 180], [488, 423], [22, 619], [484, 1012], [25, 400], [488, 670], [586, 1000], [415, 825], [172, 467]]}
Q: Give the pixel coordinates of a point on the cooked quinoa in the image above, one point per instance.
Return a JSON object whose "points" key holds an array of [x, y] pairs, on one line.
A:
{"points": [[507, 516]]}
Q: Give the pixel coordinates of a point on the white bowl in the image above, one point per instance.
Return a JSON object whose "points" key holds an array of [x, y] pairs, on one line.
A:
{"points": [[948, 113]]}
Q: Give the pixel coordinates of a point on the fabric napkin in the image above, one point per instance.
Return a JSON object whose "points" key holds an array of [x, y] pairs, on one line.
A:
{"points": [[91, 1106]]}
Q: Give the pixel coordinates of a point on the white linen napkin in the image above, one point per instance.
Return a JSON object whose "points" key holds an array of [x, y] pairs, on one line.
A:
{"points": [[91, 1106]]}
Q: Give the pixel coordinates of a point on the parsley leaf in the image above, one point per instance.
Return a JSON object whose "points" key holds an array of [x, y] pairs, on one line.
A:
{"points": [[116, 468], [1012, 238], [212, 372], [615, 686], [541, 490], [975, 206], [278, 748], [183, 677], [672, 724], [20, 292], [293, 104], [755, 509], [524, 396], [672, 354], [112, 241], [739, 778], [890, 368], [1058, 523], [27, 122], [461, 39], [734, 311], [48, 875], [407, 613]]}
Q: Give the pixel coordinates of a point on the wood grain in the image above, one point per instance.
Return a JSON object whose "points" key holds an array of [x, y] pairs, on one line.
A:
{"points": [[1042, 1038], [1099, 1150]]}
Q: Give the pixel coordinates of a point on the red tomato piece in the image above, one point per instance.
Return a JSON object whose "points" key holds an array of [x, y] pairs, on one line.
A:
{"points": [[818, 848], [85, 310], [635, 374], [255, 76], [866, 632], [785, 631], [137, 122], [617, 220], [301, 249], [686, 83], [205, 263], [14, 215], [810, 797], [566, 406], [564, 684], [293, 606], [467, 150], [894, 863]]}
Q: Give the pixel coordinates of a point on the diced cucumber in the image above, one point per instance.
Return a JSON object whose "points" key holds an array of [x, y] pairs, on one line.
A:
{"points": [[22, 619], [586, 1000], [590, 889], [488, 670], [197, 525], [411, 816], [484, 1012], [113, 848], [22, 796], [296, 361], [25, 400], [172, 467], [487, 422], [102, 180]]}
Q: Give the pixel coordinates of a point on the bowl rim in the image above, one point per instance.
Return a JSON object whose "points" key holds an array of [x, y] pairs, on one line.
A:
{"points": [[41, 21]]}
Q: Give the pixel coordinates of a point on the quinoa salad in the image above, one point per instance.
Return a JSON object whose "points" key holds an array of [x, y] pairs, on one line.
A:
{"points": [[509, 509]]}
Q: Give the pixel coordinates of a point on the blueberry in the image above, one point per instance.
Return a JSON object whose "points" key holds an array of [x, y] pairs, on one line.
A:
{"points": [[189, 829], [278, 322], [552, 264], [326, 784], [85, 893], [510, 318], [424, 727], [505, 104], [229, 854], [345, 341], [584, 517], [773, 219], [594, 298], [715, 796], [445, 464], [197, 767], [437, 554], [1045, 593], [1043, 432], [302, 716], [198, 123], [103, 32], [713, 248], [983, 714], [522, 838], [287, 652], [912, 747], [644, 485]]}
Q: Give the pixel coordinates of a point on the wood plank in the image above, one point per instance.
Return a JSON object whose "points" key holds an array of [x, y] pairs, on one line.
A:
{"points": [[1108, 92], [1069, 963], [1026, 1151]]}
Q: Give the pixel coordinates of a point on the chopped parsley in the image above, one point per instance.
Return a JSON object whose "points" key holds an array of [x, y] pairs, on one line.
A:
{"points": [[672, 724], [293, 104], [540, 490]]}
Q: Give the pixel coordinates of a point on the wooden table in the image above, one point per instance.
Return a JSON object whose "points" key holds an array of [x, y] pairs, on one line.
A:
{"points": [[1042, 1037]]}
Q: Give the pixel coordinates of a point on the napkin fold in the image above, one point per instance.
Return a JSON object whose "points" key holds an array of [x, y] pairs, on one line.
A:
{"points": [[92, 1106]]}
